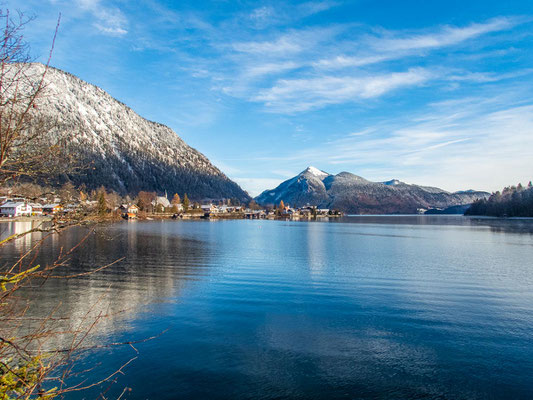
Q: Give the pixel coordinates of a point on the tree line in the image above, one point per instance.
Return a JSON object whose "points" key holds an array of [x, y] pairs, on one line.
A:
{"points": [[108, 199], [512, 201]]}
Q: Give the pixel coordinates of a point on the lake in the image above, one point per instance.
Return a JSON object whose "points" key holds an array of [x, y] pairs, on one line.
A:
{"points": [[366, 307]]}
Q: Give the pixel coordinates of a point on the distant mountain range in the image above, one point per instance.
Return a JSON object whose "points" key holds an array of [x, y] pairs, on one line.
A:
{"points": [[122, 150], [355, 195]]}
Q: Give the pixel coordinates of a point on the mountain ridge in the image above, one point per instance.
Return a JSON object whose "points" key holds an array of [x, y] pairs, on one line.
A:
{"points": [[351, 193]]}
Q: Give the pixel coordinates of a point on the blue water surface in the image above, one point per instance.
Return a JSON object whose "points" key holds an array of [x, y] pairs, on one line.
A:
{"points": [[371, 307]]}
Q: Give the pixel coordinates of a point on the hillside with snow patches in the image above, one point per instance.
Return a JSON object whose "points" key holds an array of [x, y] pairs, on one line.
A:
{"points": [[121, 150], [355, 195]]}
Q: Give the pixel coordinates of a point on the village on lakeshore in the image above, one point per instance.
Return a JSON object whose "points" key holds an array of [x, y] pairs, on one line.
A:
{"points": [[68, 201]]}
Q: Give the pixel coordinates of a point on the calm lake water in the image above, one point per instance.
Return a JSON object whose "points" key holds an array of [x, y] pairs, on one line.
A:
{"points": [[363, 308]]}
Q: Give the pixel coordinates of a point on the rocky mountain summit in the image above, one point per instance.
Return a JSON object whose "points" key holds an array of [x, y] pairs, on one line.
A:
{"points": [[356, 195], [121, 150]]}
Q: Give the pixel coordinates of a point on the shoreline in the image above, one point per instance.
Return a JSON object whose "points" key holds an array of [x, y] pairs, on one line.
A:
{"points": [[226, 216], [26, 219], [237, 216]]}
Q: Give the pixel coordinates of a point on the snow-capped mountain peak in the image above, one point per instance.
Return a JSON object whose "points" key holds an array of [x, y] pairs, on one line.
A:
{"points": [[316, 172], [354, 194]]}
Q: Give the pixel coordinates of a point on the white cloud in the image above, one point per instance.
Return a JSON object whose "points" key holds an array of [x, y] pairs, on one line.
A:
{"points": [[446, 37], [261, 15], [285, 13], [260, 70], [287, 44], [486, 77], [343, 61], [107, 20], [394, 45], [282, 45], [114, 31], [293, 95], [314, 7], [362, 132]]}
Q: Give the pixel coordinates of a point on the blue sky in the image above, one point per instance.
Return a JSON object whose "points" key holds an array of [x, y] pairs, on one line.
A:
{"points": [[429, 92]]}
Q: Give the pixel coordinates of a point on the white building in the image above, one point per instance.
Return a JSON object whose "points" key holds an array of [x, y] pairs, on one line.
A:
{"points": [[226, 209], [163, 201], [15, 209], [209, 208], [36, 209]]}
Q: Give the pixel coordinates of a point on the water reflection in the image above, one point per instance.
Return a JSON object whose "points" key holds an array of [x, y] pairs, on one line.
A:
{"points": [[512, 225], [8, 228], [151, 267], [317, 253], [364, 307]]}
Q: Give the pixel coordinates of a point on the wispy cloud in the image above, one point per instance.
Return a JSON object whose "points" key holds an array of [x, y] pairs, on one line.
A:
{"points": [[288, 72], [447, 36], [486, 77], [282, 45], [284, 13], [263, 16], [262, 69], [107, 20], [314, 7], [288, 43], [304, 94], [395, 45], [291, 69], [343, 61]]}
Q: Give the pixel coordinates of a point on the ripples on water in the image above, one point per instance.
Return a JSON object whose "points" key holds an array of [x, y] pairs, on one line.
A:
{"points": [[366, 307]]}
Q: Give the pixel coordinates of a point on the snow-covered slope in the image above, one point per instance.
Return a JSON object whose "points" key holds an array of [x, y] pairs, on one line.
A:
{"points": [[123, 151], [353, 194]]}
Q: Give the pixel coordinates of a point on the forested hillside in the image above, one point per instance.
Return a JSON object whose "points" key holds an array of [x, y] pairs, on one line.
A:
{"points": [[115, 147], [513, 201]]}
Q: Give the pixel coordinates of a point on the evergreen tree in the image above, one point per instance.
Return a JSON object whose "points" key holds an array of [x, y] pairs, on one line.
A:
{"points": [[513, 201], [102, 204], [185, 203]]}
